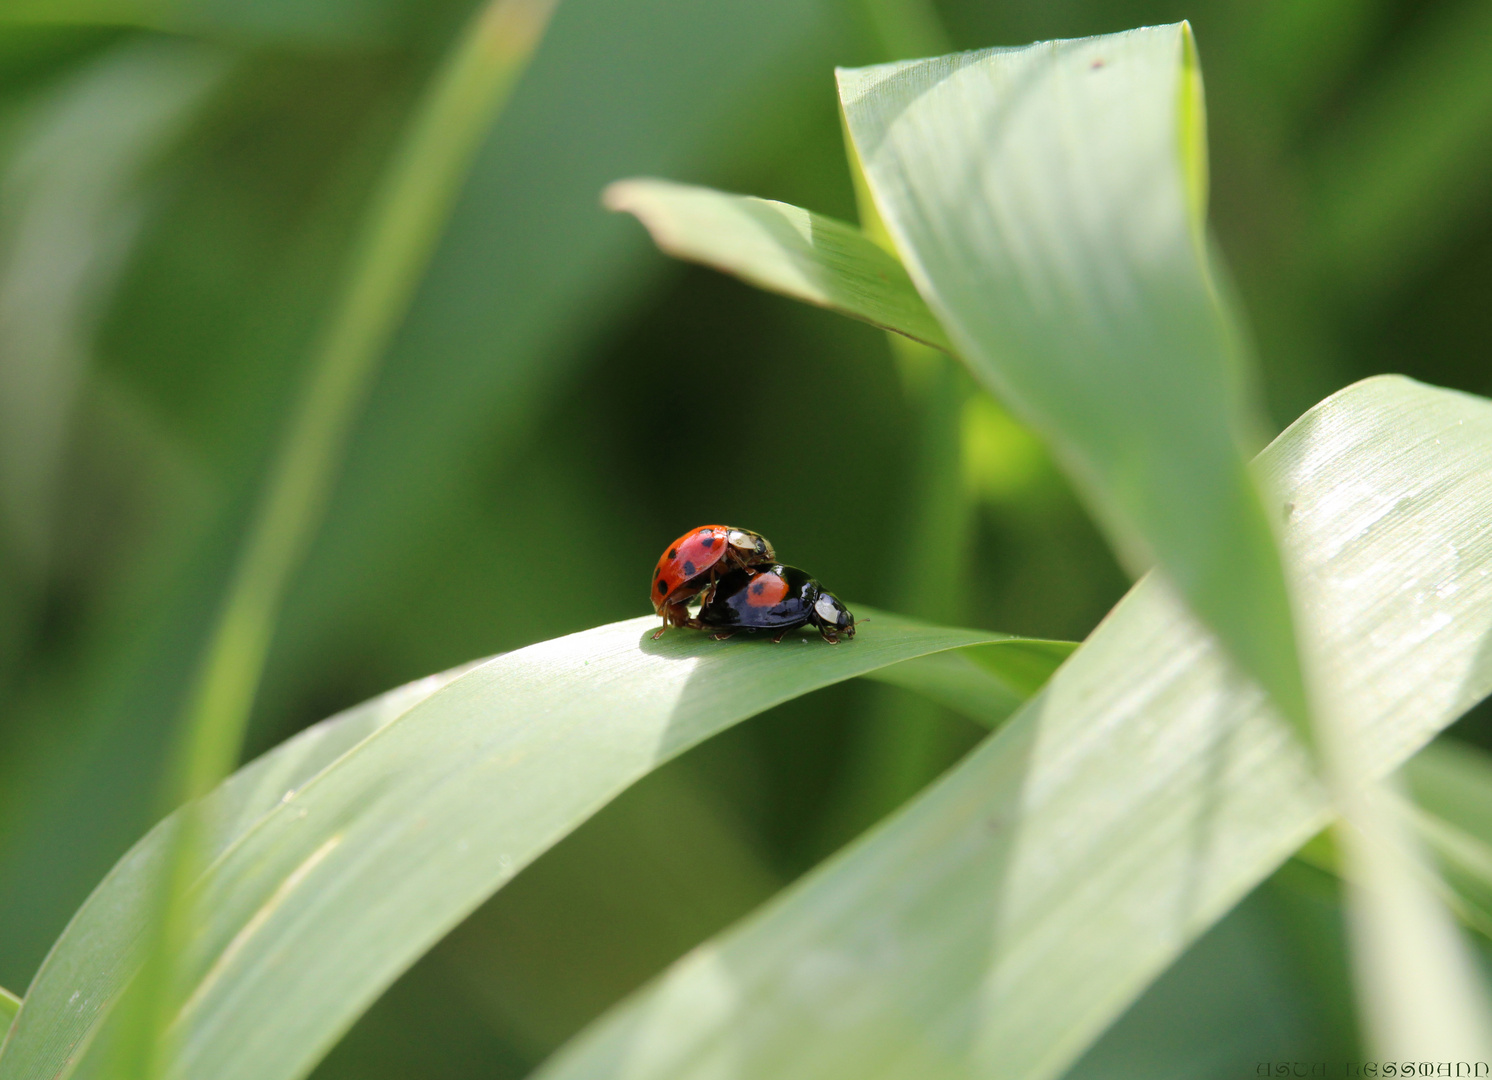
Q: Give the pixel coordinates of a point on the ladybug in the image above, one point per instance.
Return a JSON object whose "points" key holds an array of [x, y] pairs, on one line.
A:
{"points": [[780, 598], [691, 564]]}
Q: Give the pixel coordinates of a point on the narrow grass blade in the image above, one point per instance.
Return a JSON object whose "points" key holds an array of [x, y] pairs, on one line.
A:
{"points": [[403, 226], [782, 249], [996, 926], [326, 884], [1048, 202], [9, 1006]]}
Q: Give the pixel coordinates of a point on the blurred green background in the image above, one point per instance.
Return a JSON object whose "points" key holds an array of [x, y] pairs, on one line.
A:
{"points": [[178, 186]]}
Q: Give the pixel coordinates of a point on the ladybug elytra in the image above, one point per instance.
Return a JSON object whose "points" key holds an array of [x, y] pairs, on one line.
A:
{"points": [[692, 563]]}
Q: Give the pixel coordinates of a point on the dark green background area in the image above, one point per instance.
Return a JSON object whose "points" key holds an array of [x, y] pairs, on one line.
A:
{"points": [[562, 401]]}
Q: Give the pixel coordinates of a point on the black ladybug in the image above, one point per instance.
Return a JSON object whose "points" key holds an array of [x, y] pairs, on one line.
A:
{"points": [[776, 597]]}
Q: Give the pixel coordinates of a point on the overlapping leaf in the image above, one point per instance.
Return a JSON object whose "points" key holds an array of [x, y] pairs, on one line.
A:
{"points": [[996, 926], [1047, 201], [345, 854]]}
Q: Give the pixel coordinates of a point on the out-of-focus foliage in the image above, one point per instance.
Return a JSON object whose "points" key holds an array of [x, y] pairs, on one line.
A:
{"points": [[178, 185]]}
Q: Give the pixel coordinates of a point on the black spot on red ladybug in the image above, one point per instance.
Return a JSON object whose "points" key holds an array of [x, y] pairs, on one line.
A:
{"points": [[688, 568], [673, 553], [756, 590], [709, 541], [663, 586]]}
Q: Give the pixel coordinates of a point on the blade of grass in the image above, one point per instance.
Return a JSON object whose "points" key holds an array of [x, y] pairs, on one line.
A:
{"points": [[782, 249], [1000, 922], [326, 885], [9, 1006], [1009, 181], [403, 226]]}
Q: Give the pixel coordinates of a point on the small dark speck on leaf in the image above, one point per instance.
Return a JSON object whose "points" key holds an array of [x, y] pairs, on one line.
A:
{"points": [[1095, 65], [1289, 509]]}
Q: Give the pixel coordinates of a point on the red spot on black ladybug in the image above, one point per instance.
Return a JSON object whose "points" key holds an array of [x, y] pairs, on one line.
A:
{"points": [[663, 586], [688, 568], [673, 553]]}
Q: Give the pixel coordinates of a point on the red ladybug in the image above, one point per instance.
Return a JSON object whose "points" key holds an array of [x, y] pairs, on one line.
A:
{"points": [[780, 598], [691, 564]]}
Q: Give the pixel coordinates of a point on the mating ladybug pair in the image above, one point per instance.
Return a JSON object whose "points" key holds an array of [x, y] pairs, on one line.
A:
{"points": [[740, 585]]}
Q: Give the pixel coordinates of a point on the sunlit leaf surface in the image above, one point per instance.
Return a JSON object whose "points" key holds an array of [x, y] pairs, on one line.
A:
{"points": [[349, 851], [998, 924], [1047, 202]]}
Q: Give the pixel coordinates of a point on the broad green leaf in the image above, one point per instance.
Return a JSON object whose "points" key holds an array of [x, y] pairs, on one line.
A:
{"points": [[519, 292], [997, 925], [782, 249], [330, 880], [97, 951], [9, 1006], [1047, 201]]}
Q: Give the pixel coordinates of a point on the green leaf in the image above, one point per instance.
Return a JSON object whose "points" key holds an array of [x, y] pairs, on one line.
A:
{"points": [[1452, 787], [782, 249], [498, 335], [1047, 202], [96, 953], [9, 1006], [348, 852], [982, 686], [998, 924]]}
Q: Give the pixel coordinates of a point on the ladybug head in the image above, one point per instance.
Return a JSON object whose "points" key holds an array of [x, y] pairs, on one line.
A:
{"points": [[830, 614], [750, 544]]}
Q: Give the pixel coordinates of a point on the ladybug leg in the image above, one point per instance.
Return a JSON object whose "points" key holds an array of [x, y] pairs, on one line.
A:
{"points": [[721, 635], [778, 639], [674, 615], [831, 638]]}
